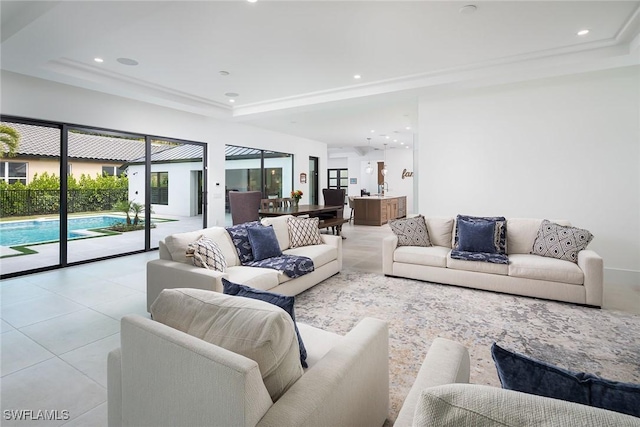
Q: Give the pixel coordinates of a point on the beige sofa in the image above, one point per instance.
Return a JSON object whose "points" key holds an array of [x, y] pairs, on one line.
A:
{"points": [[442, 396], [162, 376], [526, 274], [174, 270]]}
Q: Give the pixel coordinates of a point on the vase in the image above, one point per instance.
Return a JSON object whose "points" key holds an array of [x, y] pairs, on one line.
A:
{"points": [[295, 203]]}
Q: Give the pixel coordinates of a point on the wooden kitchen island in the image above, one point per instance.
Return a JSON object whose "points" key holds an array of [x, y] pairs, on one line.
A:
{"points": [[378, 210]]}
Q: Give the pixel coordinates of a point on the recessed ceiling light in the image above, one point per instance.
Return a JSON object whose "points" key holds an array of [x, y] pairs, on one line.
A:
{"points": [[373, 130], [231, 94], [583, 32], [408, 128], [99, 60], [127, 61], [468, 9], [223, 73], [232, 100], [252, 1], [406, 146], [395, 140], [402, 143], [357, 76]]}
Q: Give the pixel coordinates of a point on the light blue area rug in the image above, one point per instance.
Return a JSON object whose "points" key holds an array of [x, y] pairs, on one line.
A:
{"points": [[606, 343]]}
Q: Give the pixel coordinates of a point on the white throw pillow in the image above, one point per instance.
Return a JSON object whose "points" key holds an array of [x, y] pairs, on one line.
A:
{"points": [[207, 254], [255, 329], [304, 232]]}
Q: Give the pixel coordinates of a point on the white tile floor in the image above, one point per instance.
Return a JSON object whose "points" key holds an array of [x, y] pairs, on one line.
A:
{"points": [[57, 328]]}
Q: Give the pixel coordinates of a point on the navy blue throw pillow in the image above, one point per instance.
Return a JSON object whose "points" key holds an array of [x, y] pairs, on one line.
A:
{"points": [[282, 301], [476, 236], [240, 239], [264, 243], [521, 373]]}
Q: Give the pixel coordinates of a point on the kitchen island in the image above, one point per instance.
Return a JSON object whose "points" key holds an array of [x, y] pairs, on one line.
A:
{"points": [[378, 210]]}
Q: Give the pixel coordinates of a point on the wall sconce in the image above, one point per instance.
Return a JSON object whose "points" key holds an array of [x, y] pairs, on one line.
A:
{"points": [[369, 169]]}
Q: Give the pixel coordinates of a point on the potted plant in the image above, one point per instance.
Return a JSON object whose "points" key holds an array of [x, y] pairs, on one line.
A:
{"points": [[296, 195]]}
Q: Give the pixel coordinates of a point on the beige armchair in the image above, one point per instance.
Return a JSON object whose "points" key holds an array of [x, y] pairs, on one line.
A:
{"points": [[161, 376]]}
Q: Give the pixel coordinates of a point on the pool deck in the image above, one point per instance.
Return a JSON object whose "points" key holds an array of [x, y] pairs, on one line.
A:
{"points": [[85, 249]]}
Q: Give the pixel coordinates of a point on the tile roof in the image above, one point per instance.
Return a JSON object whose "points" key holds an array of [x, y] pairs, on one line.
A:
{"points": [[45, 142]]}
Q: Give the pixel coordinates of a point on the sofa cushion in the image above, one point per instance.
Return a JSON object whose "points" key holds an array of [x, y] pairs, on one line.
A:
{"points": [[561, 242], [284, 302], [500, 229], [207, 254], [521, 373], [177, 244], [521, 232], [477, 236], [281, 228], [304, 232], [541, 268], [478, 266], [454, 405], [240, 239], [435, 256], [318, 342], [256, 277], [255, 329], [319, 254], [411, 231], [440, 231], [264, 243]]}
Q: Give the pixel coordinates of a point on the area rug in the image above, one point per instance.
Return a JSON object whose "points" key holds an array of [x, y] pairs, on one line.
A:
{"points": [[603, 342]]}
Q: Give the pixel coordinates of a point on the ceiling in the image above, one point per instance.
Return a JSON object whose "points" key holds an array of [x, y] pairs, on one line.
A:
{"points": [[292, 63]]}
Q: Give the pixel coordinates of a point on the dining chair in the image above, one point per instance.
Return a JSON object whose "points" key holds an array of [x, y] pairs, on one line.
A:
{"points": [[352, 205], [244, 206]]}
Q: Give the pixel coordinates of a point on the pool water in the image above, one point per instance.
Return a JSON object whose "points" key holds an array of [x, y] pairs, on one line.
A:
{"points": [[47, 230]]}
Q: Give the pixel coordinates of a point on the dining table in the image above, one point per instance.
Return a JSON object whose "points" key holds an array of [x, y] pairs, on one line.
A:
{"points": [[311, 210]]}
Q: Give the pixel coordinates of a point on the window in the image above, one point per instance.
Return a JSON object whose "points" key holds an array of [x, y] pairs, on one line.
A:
{"points": [[13, 172], [338, 178], [112, 170], [160, 188]]}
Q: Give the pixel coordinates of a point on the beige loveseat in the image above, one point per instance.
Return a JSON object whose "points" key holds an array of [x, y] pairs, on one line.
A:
{"points": [[167, 376], [174, 270], [441, 396], [526, 274]]}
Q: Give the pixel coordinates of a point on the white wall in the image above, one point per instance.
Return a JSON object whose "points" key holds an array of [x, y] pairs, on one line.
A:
{"points": [[40, 99], [566, 147]]}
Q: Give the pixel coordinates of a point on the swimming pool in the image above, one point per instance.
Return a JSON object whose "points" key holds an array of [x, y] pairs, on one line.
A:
{"points": [[46, 230]]}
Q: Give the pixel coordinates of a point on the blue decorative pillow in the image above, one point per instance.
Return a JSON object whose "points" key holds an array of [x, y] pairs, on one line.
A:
{"points": [[500, 230], [521, 373], [240, 239], [264, 243], [282, 301], [476, 236]]}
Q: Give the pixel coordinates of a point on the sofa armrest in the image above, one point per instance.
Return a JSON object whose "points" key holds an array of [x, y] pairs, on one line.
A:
{"points": [[389, 245], [165, 274], [446, 362], [349, 386], [170, 378], [592, 267], [335, 241], [114, 388]]}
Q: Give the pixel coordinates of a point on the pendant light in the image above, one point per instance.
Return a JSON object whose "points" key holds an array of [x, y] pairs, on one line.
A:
{"points": [[369, 169], [384, 163]]}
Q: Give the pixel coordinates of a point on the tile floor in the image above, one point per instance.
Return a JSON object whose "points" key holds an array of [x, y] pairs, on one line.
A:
{"points": [[57, 328]]}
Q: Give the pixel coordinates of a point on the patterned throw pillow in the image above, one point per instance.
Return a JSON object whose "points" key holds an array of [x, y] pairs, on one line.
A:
{"points": [[411, 231], [500, 231], [240, 239], [559, 241], [304, 232], [207, 254]]}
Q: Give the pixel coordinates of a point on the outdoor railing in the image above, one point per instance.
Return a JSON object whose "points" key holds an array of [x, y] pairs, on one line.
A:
{"points": [[45, 202]]}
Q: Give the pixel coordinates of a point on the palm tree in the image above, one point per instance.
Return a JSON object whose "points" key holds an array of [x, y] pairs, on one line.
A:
{"points": [[137, 209], [124, 206], [9, 138]]}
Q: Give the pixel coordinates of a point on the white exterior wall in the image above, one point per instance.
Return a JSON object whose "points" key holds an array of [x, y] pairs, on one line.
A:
{"points": [[28, 97], [564, 148]]}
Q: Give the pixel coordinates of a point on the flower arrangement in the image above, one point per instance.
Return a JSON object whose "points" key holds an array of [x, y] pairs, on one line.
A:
{"points": [[296, 195]]}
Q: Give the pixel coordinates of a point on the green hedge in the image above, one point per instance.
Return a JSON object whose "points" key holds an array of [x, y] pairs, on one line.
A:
{"points": [[42, 195]]}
